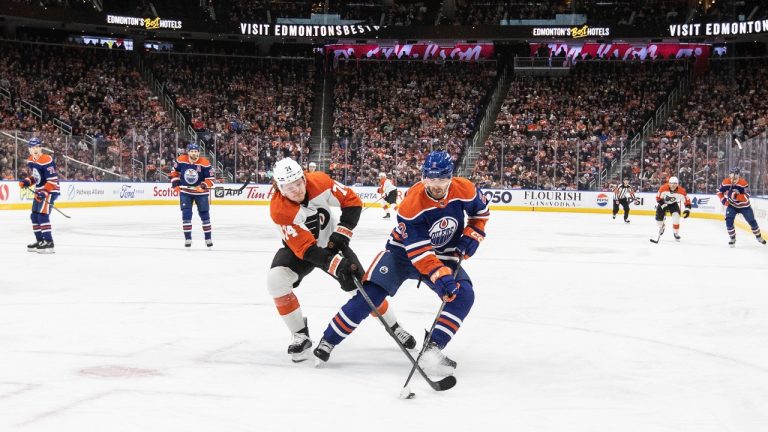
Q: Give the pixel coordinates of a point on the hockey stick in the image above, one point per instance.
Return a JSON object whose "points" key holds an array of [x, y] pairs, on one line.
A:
{"points": [[62, 213], [240, 189], [406, 393], [661, 231], [366, 207], [54, 207], [443, 384]]}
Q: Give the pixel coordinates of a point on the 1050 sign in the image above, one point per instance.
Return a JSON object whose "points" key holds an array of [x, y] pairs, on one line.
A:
{"points": [[496, 197]]}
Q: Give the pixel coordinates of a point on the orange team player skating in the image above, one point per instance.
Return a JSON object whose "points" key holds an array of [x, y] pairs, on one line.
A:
{"points": [[301, 209], [669, 200], [388, 192]]}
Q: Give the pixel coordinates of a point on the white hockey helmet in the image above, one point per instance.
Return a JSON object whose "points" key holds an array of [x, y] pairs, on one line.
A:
{"points": [[287, 171], [382, 175], [312, 164], [673, 180]]}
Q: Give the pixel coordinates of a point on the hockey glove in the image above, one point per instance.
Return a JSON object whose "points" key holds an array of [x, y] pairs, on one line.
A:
{"points": [[25, 183], [445, 284], [203, 186], [339, 240], [470, 241], [344, 269], [686, 213], [41, 195]]}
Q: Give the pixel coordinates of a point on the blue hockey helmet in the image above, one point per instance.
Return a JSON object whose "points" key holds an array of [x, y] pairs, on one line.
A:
{"points": [[193, 146], [735, 170], [34, 142], [438, 164]]}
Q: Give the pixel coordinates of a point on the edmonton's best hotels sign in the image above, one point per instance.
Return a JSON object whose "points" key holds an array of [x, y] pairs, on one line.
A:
{"points": [[146, 23]]}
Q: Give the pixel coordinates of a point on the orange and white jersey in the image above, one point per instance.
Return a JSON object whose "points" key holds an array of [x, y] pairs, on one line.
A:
{"points": [[386, 186], [311, 222], [667, 196]]}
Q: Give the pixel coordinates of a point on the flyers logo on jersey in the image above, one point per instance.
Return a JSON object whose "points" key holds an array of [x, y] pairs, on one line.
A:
{"points": [[442, 231]]}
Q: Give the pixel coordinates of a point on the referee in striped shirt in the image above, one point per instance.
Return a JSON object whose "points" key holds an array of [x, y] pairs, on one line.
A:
{"points": [[621, 195]]}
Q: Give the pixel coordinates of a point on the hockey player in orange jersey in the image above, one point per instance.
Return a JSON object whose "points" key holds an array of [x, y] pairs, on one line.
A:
{"points": [[301, 209], [388, 192], [669, 199]]}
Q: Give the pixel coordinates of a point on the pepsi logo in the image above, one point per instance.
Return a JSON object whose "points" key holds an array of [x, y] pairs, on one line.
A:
{"points": [[4, 192], [442, 231], [602, 200]]}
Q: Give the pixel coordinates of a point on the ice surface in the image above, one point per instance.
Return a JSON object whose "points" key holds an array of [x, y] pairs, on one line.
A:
{"points": [[580, 324]]}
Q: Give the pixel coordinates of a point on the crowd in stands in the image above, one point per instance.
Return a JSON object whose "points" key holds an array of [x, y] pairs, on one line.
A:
{"points": [[552, 132], [721, 108], [96, 94], [257, 109], [560, 132], [388, 115]]}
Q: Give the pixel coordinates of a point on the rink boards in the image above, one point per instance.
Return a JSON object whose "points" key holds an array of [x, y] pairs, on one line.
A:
{"points": [[107, 194]]}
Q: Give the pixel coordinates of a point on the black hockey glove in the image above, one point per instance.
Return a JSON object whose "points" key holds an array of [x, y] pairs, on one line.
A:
{"points": [[686, 213], [344, 270], [339, 239]]}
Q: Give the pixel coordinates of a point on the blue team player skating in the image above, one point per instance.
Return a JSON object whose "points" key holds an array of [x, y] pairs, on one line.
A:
{"points": [[429, 239], [734, 195], [192, 176], [45, 179]]}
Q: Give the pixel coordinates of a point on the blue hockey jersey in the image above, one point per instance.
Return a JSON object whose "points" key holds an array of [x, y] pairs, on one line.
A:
{"points": [[428, 230], [189, 175]]}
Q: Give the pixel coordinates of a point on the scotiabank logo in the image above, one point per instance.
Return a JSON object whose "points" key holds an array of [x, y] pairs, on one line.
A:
{"points": [[602, 200], [164, 192], [4, 194]]}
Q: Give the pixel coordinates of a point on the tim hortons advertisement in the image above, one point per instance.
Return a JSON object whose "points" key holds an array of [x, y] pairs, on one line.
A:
{"points": [[627, 51], [418, 51]]}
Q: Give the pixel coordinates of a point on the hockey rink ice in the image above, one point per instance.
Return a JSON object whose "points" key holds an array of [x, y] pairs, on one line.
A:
{"points": [[580, 324]]}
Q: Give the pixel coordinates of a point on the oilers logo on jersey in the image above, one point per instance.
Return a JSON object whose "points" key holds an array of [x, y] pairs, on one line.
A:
{"points": [[191, 176], [442, 231]]}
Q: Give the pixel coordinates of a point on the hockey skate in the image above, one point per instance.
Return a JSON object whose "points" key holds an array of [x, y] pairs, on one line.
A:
{"points": [[299, 348], [187, 243], [32, 247], [209, 243], [760, 239], [323, 351], [626, 220], [404, 337], [434, 362], [386, 216], [732, 242], [45, 247], [677, 236]]}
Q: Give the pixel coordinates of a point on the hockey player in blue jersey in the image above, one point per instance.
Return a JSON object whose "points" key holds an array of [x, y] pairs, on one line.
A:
{"points": [[45, 180], [734, 195], [192, 176], [430, 236]]}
